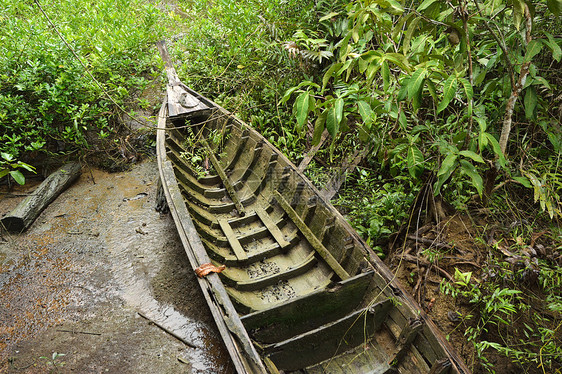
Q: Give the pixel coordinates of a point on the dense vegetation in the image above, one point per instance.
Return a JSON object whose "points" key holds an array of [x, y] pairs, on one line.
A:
{"points": [[59, 94], [457, 103]]}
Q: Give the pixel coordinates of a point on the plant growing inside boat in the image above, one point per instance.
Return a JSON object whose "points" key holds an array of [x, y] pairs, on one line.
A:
{"points": [[196, 153]]}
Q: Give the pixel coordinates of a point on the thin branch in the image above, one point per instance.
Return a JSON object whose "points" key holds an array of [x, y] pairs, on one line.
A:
{"points": [[183, 340], [500, 43], [516, 89]]}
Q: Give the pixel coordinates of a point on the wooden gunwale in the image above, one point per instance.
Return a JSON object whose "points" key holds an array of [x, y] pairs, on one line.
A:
{"points": [[241, 340], [235, 337]]}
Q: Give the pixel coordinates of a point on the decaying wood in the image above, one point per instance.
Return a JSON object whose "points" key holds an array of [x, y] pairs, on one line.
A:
{"points": [[441, 367], [430, 242], [300, 287], [179, 101], [406, 338], [312, 239], [310, 154], [181, 339], [333, 186], [224, 178], [29, 209], [423, 262], [161, 203]]}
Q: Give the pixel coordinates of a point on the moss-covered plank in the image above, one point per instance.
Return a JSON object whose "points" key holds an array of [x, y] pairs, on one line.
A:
{"points": [[233, 240], [284, 321], [272, 227], [310, 237], [329, 340]]}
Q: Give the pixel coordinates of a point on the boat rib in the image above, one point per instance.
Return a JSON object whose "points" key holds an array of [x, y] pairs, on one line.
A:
{"points": [[301, 291]]}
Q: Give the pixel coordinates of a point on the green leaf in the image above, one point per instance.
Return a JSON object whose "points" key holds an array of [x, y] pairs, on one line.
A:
{"points": [[414, 160], [471, 171], [432, 90], [425, 4], [475, 156], [338, 107], [448, 164], [468, 91], [415, 83], [288, 94], [399, 59], [533, 48], [3, 172], [329, 74], [518, 10], [385, 75], [554, 47], [331, 124], [329, 16], [447, 168], [7, 156], [530, 102], [524, 181], [373, 68], [319, 126], [403, 92], [555, 6], [482, 141], [496, 148], [18, 176], [402, 120], [301, 107], [26, 166], [449, 90], [365, 111], [412, 27]]}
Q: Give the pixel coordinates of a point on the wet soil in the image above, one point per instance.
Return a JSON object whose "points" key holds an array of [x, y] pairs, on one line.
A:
{"points": [[89, 276]]}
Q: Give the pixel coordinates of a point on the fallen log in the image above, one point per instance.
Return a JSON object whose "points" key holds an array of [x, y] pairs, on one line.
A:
{"points": [[29, 209]]}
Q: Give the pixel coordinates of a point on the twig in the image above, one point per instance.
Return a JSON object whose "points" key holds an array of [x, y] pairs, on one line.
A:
{"points": [[430, 242], [80, 332], [423, 262], [183, 340]]}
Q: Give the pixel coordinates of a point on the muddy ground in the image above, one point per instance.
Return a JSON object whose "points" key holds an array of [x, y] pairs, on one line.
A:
{"points": [[77, 282]]}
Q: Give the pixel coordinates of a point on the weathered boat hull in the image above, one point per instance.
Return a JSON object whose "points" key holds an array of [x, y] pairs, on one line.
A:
{"points": [[301, 291]]}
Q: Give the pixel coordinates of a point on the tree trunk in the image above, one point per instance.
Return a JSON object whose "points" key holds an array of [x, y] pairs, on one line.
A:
{"points": [[29, 209]]}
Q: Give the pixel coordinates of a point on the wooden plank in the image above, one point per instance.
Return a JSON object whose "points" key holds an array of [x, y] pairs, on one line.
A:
{"points": [[333, 186], [406, 338], [442, 366], [272, 227], [329, 340], [225, 180], [310, 237], [310, 154], [233, 240], [297, 316]]}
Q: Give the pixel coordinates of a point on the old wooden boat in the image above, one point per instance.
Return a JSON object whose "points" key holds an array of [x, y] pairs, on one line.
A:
{"points": [[300, 290]]}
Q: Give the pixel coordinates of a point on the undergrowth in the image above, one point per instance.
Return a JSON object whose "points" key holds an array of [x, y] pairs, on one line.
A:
{"points": [[235, 53], [49, 103]]}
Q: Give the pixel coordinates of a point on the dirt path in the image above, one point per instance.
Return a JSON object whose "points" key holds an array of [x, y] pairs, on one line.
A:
{"points": [[75, 282]]}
